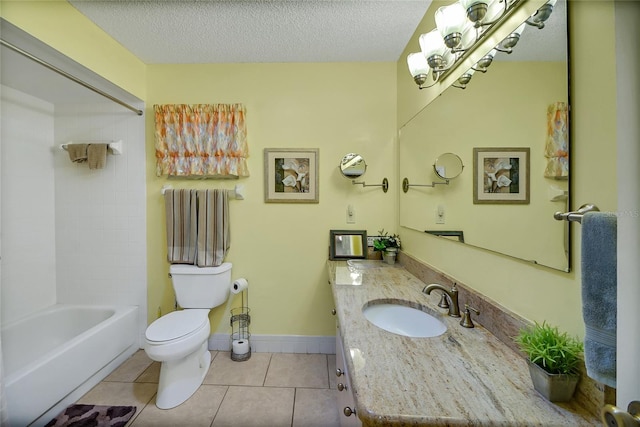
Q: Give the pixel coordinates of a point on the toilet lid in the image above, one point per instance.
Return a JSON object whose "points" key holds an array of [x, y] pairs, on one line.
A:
{"points": [[177, 324]]}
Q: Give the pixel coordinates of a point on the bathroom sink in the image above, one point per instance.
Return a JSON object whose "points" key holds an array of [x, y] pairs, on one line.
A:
{"points": [[402, 319], [363, 264]]}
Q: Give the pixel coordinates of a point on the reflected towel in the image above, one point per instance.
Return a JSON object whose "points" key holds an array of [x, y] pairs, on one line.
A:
{"points": [[213, 227], [181, 219], [97, 155], [599, 295], [77, 152]]}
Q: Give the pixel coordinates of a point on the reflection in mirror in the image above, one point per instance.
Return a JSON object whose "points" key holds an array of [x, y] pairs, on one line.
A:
{"points": [[353, 166], [448, 166], [512, 105], [347, 244]]}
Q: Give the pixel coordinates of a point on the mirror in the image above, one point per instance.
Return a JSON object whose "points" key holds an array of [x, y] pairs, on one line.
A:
{"points": [[448, 166], [353, 166], [347, 244], [507, 106]]}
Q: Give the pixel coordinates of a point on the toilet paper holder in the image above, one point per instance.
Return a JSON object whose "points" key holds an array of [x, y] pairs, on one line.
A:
{"points": [[240, 342], [612, 416]]}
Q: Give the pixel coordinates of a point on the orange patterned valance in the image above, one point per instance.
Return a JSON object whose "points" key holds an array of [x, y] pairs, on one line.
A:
{"points": [[206, 140], [557, 146]]}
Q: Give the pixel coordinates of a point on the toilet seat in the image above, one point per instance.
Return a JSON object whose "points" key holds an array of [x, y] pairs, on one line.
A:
{"points": [[177, 324], [177, 334]]}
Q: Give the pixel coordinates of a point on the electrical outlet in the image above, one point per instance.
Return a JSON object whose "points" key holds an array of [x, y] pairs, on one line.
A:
{"points": [[440, 214]]}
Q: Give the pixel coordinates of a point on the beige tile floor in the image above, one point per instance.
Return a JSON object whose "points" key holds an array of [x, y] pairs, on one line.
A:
{"points": [[269, 389]]}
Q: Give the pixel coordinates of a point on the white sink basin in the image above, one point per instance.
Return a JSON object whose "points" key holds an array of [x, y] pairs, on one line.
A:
{"points": [[402, 319]]}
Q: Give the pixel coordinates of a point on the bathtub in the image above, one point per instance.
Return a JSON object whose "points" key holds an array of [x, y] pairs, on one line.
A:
{"points": [[55, 355]]}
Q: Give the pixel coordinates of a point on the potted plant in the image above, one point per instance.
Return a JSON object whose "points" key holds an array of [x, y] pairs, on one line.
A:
{"points": [[554, 359], [388, 245]]}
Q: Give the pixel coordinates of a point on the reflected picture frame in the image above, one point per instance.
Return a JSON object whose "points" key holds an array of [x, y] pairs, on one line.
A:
{"points": [[291, 175], [501, 175], [347, 244]]}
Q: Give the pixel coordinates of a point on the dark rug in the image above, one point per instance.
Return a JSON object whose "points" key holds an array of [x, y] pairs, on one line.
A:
{"points": [[93, 416]]}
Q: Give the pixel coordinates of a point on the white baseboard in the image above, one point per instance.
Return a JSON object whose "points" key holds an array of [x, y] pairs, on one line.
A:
{"points": [[279, 344]]}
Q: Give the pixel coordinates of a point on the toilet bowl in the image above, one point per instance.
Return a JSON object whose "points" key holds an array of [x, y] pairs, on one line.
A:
{"points": [[179, 340]]}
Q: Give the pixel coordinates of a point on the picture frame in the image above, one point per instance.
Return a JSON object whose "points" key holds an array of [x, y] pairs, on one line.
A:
{"points": [[347, 244], [291, 175], [501, 175]]}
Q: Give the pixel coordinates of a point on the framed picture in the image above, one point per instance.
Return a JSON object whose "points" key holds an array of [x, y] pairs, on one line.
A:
{"points": [[501, 175], [291, 175], [347, 244]]}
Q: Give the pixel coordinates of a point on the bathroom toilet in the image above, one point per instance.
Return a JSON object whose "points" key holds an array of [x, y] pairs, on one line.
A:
{"points": [[180, 339]]}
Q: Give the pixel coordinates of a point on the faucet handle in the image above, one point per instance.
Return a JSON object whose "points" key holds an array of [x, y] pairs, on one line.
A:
{"points": [[466, 318], [444, 301]]}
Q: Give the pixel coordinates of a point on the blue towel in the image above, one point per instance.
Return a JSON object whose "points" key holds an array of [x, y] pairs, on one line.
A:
{"points": [[599, 295]]}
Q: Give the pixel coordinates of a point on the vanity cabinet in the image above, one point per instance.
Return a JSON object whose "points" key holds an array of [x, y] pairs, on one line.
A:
{"points": [[345, 399]]}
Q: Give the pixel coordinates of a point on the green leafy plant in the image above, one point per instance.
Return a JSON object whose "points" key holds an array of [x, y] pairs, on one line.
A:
{"points": [[553, 351], [385, 241]]}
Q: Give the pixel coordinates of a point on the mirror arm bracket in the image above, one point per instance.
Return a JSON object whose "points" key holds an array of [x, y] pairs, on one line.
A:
{"points": [[406, 185], [384, 185]]}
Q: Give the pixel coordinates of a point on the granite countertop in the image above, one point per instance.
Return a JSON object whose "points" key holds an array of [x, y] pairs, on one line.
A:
{"points": [[465, 377]]}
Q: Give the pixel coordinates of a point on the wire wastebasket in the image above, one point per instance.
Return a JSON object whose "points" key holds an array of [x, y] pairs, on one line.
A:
{"points": [[240, 344]]}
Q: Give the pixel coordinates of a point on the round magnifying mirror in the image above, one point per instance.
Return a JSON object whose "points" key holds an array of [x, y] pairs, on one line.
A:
{"points": [[353, 166], [448, 166]]}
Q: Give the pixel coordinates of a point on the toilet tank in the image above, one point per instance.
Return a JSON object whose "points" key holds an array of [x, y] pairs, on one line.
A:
{"points": [[201, 287]]}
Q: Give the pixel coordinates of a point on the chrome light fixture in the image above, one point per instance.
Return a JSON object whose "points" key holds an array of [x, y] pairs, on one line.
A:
{"points": [[539, 18], [459, 26], [511, 41]]}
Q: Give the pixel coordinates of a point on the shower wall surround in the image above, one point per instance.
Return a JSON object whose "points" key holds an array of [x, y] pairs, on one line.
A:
{"points": [[91, 223]]}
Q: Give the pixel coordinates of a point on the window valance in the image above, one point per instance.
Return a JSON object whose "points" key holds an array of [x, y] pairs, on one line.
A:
{"points": [[206, 140]]}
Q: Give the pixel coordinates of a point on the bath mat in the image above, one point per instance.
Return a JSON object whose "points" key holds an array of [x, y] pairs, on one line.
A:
{"points": [[93, 416]]}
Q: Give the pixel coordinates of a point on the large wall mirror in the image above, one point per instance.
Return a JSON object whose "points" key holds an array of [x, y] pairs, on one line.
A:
{"points": [[506, 109]]}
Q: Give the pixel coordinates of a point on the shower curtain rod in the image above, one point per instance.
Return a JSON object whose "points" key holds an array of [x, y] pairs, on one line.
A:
{"points": [[69, 76]]}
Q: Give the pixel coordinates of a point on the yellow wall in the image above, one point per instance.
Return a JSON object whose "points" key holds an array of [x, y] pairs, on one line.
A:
{"points": [[534, 292], [62, 27], [282, 248]]}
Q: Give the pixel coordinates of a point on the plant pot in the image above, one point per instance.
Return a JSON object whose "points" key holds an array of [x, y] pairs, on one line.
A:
{"points": [[389, 255], [554, 387]]}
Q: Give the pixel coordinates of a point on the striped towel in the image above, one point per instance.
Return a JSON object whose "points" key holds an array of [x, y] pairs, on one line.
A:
{"points": [[213, 227], [181, 214]]}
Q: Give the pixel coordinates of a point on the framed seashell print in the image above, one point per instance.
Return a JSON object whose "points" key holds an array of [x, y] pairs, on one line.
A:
{"points": [[501, 175], [291, 175]]}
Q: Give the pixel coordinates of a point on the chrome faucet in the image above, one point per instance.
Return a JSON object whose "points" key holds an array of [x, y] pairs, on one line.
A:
{"points": [[454, 308]]}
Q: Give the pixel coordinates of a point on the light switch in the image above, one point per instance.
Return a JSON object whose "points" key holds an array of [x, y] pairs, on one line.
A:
{"points": [[351, 215], [440, 214]]}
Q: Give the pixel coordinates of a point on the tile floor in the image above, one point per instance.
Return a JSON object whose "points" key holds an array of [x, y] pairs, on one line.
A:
{"points": [[269, 389]]}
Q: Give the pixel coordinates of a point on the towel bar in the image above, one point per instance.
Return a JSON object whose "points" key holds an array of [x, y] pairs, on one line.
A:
{"points": [[576, 216], [114, 146], [238, 191]]}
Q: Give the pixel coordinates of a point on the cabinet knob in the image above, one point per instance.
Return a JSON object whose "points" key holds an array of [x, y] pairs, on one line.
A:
{"points": [[333, 311], [339, 372], [341, 387], [348, 411]]}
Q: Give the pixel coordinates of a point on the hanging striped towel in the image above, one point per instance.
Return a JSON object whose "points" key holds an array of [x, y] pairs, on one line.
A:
{"points": [[181, 214], [213, 227]]}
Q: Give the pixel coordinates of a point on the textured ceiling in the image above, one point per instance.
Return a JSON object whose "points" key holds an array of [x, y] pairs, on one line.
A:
{"points": [[210, 31]]}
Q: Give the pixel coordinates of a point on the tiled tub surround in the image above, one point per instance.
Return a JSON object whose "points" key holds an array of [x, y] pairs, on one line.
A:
{"points": [[464, 377]]}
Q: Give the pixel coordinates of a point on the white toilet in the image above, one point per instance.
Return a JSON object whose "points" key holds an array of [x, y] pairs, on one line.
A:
{"points": [[180, 339]]}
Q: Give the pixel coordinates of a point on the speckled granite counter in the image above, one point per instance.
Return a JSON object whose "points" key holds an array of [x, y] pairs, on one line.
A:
{"points": [[465, 377]]}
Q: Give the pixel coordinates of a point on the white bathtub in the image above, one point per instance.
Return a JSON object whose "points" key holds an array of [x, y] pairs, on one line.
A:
{"points": [[54, 356]]}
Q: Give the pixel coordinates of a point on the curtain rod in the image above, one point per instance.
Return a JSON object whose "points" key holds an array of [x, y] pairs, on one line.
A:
{"points": [[69, 76]]}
